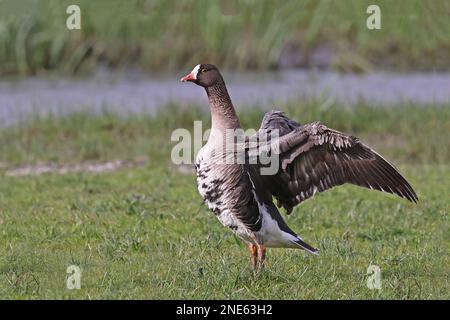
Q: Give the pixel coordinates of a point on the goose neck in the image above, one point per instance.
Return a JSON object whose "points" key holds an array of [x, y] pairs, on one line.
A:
{"points": [[223, 114]]}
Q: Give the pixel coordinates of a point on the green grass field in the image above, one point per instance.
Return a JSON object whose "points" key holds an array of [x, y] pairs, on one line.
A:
{"points": [[143, 232]]}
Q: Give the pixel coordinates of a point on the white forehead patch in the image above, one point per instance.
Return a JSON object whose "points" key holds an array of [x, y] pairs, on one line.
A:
{"points": [[195, 71]]}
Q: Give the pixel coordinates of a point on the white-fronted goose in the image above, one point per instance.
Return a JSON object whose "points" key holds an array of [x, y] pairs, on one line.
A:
{"points": [[312, 158]]}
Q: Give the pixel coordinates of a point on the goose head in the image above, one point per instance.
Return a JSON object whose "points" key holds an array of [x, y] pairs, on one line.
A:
{"points": [[204, 75]]}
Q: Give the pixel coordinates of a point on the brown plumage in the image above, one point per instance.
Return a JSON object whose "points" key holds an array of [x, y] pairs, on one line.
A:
{"points": [[316, 158], [313, 158]]}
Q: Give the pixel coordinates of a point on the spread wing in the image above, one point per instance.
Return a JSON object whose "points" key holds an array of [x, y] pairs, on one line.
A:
{"points": [[315, 158]]}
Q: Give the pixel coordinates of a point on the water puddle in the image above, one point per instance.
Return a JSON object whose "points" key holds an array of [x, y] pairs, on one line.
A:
{"points": [[144, 94]]}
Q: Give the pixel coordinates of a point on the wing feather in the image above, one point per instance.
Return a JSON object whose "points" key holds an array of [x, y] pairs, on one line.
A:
{"points": [[314, 158]]}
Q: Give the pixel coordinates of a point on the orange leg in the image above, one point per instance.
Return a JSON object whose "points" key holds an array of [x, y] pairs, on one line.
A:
{"points": [[261, 256], [254, 251]]}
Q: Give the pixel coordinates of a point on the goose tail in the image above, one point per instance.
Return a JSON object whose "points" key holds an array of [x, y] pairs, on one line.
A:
{"points": [[299, 243]]}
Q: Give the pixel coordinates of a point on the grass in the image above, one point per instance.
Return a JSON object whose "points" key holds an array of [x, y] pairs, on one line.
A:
{"points": [[143, 233], [407, 133], [161, 35]]}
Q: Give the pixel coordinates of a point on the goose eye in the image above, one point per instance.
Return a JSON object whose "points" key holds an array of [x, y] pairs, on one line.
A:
{"points": [[203, 70]]}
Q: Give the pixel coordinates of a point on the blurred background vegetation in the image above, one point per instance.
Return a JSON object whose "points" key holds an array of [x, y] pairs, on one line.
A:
{"points": [[160, 35]]}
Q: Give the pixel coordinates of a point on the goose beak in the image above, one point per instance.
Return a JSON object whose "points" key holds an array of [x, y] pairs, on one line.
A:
{"points": [[189, 77]]}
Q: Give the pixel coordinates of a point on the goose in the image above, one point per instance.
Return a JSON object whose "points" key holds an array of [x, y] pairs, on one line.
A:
{"points": [[312, 158]]}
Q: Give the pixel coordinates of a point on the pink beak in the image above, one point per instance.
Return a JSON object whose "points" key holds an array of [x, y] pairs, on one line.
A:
{"points": [[189, 77]]}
